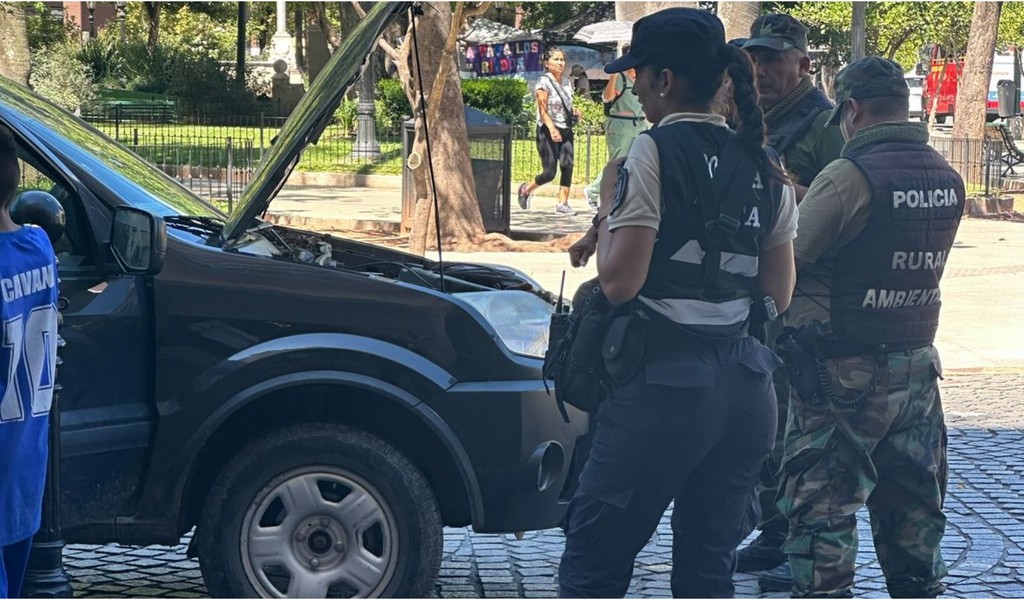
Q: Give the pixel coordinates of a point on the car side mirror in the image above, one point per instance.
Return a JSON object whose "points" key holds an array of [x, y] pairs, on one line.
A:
{"points": [[138, 241]]}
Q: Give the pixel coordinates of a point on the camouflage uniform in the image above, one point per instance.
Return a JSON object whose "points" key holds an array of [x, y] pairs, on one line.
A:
{"points": [[806, 148], [878, 436], [888, 452]]}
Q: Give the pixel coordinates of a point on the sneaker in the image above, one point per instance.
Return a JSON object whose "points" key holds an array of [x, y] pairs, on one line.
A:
{"points": [[779, 579], [562, 208], [524, 197], [764, 553]]}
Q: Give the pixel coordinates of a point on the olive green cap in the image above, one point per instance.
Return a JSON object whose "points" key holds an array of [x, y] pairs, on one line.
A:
{"points": [[870, 77], [778, 32]]}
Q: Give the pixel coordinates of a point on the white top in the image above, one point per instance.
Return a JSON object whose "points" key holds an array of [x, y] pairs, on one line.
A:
{"points": [[555, 106]]}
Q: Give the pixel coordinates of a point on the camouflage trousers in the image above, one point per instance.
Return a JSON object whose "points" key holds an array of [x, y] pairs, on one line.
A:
{"points": [[888, 452]]}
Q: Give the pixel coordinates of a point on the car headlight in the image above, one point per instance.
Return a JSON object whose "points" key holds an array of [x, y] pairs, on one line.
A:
{"points": [[520, 318]]}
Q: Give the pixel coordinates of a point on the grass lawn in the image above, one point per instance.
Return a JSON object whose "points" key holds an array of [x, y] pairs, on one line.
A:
{"points": [[206, 146]]}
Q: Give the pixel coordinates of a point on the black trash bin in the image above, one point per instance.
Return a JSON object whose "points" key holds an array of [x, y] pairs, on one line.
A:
{"points": [[1009, 102], [490, 155]]}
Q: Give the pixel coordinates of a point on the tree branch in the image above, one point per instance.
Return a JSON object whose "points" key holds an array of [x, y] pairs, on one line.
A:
{"points": [[359, 8], [388, 49], [320, 13]]}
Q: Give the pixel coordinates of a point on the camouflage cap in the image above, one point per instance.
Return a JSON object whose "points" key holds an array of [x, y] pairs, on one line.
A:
{"points": [[778, 32], [869, 77]]}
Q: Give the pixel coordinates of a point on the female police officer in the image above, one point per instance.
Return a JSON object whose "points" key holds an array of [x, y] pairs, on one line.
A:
{"points": [[696, 219]]}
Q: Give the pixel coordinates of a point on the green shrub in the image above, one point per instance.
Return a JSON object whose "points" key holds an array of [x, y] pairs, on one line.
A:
{"points": [[103, 56], [345, 115], [593, 114], [59, 75], [502, 97], [392, 105], [499, 96]]}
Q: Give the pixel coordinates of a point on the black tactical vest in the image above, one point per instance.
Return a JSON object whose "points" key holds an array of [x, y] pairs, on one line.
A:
{"points": [[786, 132], [885, 285], [675, 284]]}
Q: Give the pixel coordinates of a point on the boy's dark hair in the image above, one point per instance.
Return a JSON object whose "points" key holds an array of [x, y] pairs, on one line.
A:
{"points": [[10, 173]]}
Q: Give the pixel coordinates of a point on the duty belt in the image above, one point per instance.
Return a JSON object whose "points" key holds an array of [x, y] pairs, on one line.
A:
{"points": [[841, 349], [635, 119]]}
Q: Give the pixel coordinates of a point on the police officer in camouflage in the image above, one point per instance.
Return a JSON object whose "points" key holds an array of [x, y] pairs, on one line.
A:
{"points": [[795, 112], [866, 422], [796, 115]]}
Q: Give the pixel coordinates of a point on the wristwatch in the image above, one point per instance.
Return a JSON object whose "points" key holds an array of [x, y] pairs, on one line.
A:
{"points": [[770, 310]]}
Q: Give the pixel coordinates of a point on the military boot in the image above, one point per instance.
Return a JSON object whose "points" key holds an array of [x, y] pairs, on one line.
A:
{"points": [[779, 579], [764, 553]]}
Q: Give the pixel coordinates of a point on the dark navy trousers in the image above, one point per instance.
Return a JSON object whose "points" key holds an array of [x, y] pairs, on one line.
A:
{"points": [[692, 426]]}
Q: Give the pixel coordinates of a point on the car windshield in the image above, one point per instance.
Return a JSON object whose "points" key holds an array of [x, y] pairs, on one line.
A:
{"points": [[129, 176]]}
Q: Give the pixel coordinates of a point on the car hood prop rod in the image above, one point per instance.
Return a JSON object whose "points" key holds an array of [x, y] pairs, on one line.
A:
{"points": [[415, 10]]}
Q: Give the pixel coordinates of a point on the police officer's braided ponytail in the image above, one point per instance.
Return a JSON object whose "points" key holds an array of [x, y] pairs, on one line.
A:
{"points": [[750, 117]]}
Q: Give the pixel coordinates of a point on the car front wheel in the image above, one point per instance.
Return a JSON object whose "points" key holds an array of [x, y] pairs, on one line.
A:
{"points": [[320, 511]]}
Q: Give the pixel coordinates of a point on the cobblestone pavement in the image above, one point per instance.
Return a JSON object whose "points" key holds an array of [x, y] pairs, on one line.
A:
{"points": [[984, 543]]}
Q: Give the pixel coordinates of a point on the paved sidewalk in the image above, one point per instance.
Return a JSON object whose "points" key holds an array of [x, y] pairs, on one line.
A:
{"points": [[980, 340], [983, 546]]}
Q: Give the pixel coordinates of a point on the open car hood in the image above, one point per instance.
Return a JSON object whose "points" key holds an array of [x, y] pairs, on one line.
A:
{"points": [[309, 119]]}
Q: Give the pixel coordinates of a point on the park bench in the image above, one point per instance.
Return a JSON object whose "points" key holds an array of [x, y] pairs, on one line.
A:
{"points": [[1014, 155]]}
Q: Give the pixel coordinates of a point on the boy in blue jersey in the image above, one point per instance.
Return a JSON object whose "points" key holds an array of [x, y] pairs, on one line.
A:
{"points": [[28, 352]]}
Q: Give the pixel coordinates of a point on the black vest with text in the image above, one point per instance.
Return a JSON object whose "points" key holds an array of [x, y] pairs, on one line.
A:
{"points": [[787, 131], [675, 285], [885, 284]]}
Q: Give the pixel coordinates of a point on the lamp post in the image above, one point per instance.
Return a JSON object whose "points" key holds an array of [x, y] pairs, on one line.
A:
{"points": [[92, 20], [45, 576], [122, 10], [366, 145]]}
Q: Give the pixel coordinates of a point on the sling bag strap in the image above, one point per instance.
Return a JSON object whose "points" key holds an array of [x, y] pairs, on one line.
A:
{"points": [[566, 103]]}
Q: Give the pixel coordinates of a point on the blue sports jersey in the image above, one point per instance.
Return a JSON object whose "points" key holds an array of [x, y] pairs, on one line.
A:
{"points": [[28, 351]]}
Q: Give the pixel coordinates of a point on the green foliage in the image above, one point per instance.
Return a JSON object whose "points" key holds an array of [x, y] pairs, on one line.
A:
{"points": [[207, 28], [43, 30], [103, 55], [541, 15], [898, 30], [391, 104], [593, 114], [59, 75], [498, 96]]}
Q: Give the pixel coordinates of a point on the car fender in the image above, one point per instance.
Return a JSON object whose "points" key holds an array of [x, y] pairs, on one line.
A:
{"points": [[203, 416]]}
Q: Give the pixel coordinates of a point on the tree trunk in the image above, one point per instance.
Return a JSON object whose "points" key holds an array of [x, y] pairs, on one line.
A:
{"points": [[972, 91], [859, 31], [14, 51], [320, 13], [461, 223], [632, 11], [738, 16], [152, 10]]}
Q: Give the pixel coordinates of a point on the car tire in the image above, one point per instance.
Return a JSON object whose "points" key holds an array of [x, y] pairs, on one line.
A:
{"points": [[319, 510]]}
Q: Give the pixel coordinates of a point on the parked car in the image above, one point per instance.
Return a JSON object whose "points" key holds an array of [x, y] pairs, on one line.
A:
{"points": [[317, 408]]}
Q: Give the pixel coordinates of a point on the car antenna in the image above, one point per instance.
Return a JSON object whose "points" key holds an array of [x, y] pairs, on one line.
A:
{"points": [[414, 10]]}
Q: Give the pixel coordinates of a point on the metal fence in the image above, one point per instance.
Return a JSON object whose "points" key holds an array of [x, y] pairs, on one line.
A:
{"points": [[215, 155], [979, 161]]}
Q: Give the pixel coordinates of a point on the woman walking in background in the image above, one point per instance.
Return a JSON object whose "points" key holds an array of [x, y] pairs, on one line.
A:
{"points": [[625, 121], [555, 118]]}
